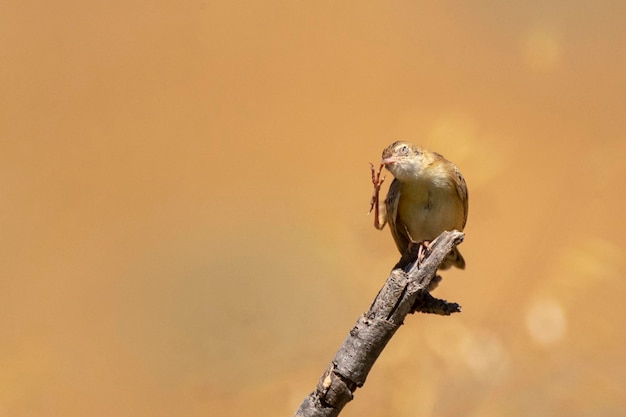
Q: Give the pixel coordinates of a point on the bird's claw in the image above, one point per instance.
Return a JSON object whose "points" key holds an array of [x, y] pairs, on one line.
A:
{"points": [[423, 249], [377, 181]]}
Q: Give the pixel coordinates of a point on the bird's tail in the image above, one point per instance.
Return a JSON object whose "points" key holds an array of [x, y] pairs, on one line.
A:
{"points": [[454, 258]]}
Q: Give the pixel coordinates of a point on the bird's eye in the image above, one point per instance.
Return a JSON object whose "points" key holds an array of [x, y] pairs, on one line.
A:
{"points": [[404, 149]]}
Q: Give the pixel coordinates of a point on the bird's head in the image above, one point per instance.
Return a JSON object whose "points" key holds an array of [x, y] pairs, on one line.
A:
{"points": [[403, 160]]}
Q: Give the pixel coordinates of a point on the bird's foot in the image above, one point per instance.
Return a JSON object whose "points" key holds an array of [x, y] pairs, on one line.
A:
{"points": [[422, 250], [415, 252], [374, 202]]}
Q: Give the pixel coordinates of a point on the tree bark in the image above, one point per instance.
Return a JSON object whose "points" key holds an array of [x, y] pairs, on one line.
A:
{"points": [[404, 292]]}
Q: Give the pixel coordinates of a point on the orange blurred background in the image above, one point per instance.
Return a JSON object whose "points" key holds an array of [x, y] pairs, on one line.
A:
{"points": [[185, 186]]}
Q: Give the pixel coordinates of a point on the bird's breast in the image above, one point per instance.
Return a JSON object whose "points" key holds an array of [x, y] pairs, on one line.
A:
{"points": [[428, 209]]}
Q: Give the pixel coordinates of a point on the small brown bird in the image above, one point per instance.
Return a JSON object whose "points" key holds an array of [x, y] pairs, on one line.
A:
{"points": [[427, 197]]}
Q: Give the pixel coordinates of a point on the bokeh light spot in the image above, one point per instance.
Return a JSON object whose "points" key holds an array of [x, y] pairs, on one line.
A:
{"points": [[546, 322]]}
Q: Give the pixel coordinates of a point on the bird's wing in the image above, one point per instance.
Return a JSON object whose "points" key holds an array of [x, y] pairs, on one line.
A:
{"points": [[461, 190], [398, 229]]}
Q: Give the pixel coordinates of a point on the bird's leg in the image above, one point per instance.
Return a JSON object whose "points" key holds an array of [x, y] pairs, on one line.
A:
{"points": [[375, 201], [416, 252], [422, 249]]}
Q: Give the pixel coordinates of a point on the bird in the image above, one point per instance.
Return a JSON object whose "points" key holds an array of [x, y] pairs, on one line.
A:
{"points": [[427, 197]]}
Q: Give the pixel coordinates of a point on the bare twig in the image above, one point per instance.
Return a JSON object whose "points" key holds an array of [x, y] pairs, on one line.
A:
{"points": [[403, 293]]}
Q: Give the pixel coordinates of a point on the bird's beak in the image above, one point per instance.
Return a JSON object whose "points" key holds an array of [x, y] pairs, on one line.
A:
{"points": [[389, 161]]}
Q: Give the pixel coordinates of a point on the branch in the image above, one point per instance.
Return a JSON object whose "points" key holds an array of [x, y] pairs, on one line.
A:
{"points": [[404, 292]]}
